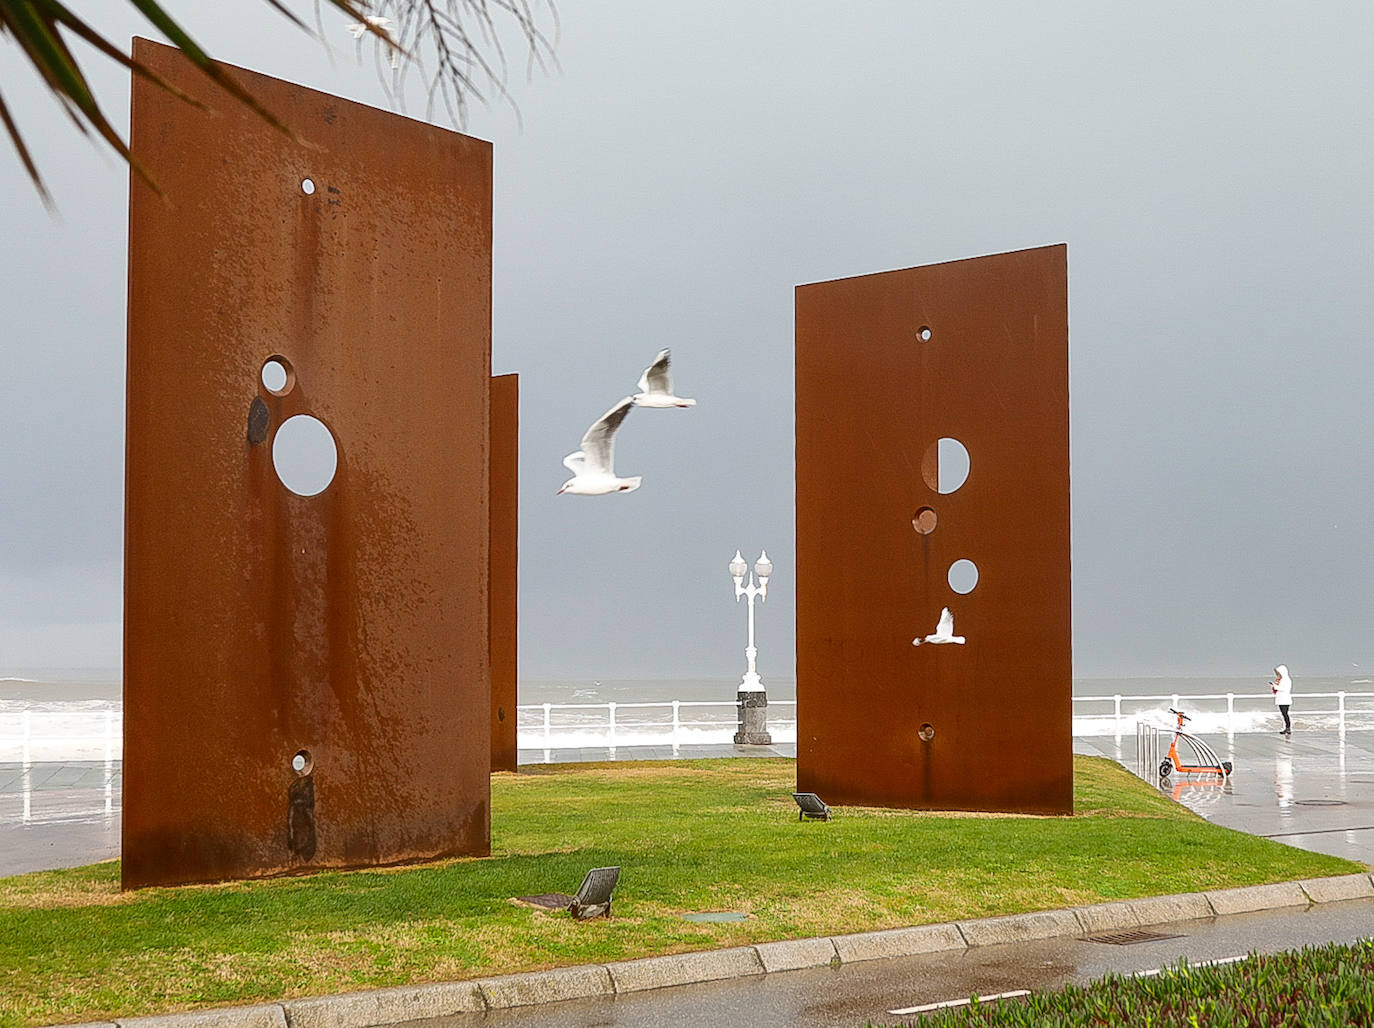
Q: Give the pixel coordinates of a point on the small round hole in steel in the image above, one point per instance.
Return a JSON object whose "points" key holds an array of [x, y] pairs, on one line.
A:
{"points": [[925, 520], [926, 732], [302, 763], [924, 334], [278, 377], [308, 186]]}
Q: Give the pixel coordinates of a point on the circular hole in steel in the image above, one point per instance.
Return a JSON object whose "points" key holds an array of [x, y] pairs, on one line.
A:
{"points": [[926, 732], [963, 576], [946, 465], [302, 763], [924, 333], [278, 377], [304, 455], [308, 186], [924, 520]]}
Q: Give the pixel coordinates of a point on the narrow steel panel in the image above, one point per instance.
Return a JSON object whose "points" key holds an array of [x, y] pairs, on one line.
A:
{"points": [[505, 565], [886, 365], [349, 626]]}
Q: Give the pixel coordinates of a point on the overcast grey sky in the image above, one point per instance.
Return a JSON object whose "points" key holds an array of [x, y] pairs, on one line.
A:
{"points": [[688, 165]]}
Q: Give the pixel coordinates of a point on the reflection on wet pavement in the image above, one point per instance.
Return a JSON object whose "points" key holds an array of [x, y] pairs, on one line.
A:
{"points": [[58, 814], [1312, 791]]}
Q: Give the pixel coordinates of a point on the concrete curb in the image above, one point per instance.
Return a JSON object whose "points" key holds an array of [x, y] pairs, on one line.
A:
{"points": [[382, 1008], [898, 942], [684, 968], [1045, 924]]}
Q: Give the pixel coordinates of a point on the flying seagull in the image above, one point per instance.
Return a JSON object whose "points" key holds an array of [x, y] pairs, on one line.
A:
{"points": [[944, 631], [656, 386], [593, 466], [357, 30]]}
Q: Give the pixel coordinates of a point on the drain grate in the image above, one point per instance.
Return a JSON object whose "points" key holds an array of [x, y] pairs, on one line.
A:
{"points": [[1131, 938], [1320, 803]]}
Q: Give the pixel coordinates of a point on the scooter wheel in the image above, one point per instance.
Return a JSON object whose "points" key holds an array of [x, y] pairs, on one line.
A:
{"points": [[1226, 766], [1166, 768]]}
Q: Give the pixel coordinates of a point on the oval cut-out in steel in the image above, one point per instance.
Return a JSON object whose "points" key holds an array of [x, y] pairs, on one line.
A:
{"points": [[304, 455], [963, 576]]}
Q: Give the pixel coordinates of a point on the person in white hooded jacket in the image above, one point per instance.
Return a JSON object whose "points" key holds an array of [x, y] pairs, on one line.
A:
{"points": [[1283, 696]]}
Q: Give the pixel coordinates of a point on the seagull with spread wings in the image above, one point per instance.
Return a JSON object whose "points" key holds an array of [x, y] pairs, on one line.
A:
{"points": [[593, 466], [944, 631], [656, 386]]}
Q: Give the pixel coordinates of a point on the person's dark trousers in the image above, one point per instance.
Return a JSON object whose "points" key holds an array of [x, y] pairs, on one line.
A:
{"points": [[1287, 725]]}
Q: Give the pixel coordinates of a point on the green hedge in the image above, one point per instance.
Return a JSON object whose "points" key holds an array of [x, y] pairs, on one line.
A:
{"points": [[1314, 987]]}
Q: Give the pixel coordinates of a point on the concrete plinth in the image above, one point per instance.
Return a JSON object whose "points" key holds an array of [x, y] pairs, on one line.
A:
{"points": [[753, 718]]}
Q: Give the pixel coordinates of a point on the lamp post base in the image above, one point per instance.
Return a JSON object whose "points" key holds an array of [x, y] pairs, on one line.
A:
{"points": [[753, 718]]}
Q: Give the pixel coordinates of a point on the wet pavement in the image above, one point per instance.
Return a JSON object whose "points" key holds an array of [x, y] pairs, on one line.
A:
{"points": [[1315, 792], [878, 990], [58, 814]]}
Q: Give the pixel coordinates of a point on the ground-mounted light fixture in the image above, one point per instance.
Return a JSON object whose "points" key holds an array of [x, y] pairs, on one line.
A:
{"points": [[811, 806]]}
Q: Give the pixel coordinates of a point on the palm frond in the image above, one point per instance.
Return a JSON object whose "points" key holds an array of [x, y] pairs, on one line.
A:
{"points": [[460, 33]]}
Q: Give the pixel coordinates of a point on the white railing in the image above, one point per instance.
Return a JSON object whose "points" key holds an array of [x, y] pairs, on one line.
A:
{"points": [[30, 737], [35, 736], [41, 736], [1223, 712], [551, 726]]}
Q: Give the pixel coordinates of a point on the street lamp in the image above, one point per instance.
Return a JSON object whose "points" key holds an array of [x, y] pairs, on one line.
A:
{"points": [[752, 699]]}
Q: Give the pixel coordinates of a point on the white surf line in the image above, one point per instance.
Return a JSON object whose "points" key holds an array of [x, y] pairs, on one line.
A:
{"points": [[956, 1003]]}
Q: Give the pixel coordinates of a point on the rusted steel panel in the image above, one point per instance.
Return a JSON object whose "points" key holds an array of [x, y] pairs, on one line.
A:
{"points": [[505, 563], [873, 398], [350, 625]]}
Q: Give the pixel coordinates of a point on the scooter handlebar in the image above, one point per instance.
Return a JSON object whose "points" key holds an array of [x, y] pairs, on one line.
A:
{"points": [[1180, 714]]}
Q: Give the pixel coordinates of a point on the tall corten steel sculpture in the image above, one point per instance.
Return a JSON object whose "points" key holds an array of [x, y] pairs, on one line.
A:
{"points": [[888, 366], [306, 673], [504, 600]]}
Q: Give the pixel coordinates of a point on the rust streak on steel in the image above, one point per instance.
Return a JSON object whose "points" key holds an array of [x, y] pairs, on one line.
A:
{"points": [[350, 626], [505, 612], [873, 397]]}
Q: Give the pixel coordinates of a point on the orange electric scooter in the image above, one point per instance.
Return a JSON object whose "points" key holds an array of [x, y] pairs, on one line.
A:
{"points": [[1205, 759]]}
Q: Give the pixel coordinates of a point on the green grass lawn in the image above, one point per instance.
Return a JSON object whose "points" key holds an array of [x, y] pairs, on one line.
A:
{"points": [[689, 835]]}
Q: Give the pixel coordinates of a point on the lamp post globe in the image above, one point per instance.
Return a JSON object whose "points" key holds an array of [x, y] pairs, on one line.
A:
{"points": [[739, 567], [764, 567]]}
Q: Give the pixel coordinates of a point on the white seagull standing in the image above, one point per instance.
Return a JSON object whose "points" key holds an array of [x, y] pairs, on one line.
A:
{"points": [[656, 386], [593, 466], [944, 631]]}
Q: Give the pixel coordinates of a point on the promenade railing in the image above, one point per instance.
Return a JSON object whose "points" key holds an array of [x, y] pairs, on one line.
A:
{"points": [[38, 736], [1222, 712]]}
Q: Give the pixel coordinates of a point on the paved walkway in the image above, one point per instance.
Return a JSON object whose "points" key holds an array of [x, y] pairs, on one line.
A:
{"points": [[1315, 792]]}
